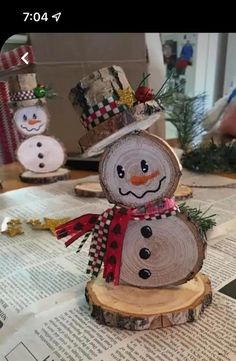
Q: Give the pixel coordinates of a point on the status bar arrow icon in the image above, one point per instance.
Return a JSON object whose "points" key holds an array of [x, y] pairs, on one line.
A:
{"points": [[24, 58]]}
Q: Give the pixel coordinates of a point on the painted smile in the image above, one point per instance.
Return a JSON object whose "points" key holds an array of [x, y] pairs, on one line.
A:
{"points": [[30, 130], [149, 191]]}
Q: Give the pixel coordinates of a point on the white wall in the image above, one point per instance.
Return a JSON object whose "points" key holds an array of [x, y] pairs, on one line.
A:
{"points": [[156, 65], [157, 70], [209, 66], [230, 66]]}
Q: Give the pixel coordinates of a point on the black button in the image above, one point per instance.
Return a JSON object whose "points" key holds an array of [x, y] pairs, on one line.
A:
{"points": [[123, 211], [114, 244], [63, 233], [112, 260], [93, 219], [40, 155], [39, 144], [117, 229], [110, 277], [41, 165], [144, 273], [146, 231], [144, 253], [78, 226]]}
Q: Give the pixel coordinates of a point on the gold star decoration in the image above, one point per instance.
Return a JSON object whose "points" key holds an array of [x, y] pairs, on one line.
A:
{"points": [[126, 96], [49, 223], [13, 231], [13, 228], [14, 222], [34, 222]]}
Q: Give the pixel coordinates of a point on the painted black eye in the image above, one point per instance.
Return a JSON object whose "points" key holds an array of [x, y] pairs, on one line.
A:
{"points": [[144, 166], [34, 116], [120, 171], [24, 117]]}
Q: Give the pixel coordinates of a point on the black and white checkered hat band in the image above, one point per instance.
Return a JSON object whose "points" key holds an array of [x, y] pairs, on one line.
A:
{"points": [[22, 95]]}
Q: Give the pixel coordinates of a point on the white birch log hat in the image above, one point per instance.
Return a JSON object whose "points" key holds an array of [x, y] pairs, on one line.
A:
{"points": [[25, 90], [109, 108]]}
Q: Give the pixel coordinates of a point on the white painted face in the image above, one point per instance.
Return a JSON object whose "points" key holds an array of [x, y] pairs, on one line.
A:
{"points": [[138, 169], [31, 120]]}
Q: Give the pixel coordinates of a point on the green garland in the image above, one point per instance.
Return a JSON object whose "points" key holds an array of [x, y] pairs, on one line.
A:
{"points": [[199, 217], [211, 158]]}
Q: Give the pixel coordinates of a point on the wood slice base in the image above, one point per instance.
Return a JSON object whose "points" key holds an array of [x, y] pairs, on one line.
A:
{"points": [[45, 178], [183, 192], [137, 309], [89, 189]]}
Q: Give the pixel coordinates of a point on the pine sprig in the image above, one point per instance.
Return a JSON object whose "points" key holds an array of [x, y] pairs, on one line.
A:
{"points": [[199, 217], [143, 81], [50, 92], [166, 91], [187, 115]]}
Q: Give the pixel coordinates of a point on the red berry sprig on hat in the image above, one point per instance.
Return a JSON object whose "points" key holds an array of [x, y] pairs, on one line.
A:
{"points": [[144, 93]]}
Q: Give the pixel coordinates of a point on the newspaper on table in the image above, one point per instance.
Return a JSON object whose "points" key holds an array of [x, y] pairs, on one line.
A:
{"points": [[43, 312]]}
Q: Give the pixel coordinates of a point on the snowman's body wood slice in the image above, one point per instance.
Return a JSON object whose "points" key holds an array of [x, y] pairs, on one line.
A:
{"points": [[41, 154], [43, 157], [163, 252]]}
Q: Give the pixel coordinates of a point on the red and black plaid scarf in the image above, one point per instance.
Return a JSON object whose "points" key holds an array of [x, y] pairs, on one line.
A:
{"points": [[108, 231]]}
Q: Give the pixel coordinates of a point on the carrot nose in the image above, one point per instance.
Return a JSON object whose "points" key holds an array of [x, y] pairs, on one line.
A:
{"points": [[138, 180], [33, 121]]}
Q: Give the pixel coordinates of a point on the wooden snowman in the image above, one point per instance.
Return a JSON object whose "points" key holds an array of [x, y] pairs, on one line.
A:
{"points": [[42, 156], [150, 251], [137, 171]]}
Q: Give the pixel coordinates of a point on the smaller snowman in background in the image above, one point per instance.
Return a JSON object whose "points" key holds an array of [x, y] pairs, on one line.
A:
{"points": [[42, 156]]}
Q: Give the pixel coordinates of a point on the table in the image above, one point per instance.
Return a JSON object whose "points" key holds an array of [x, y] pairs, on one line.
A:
{"points": [[35, 265], [9, 176]]}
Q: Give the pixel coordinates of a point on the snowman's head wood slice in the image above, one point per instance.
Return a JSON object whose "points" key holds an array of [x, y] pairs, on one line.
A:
{"points": [[138, 169], [29, 104], [31, 120]]}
